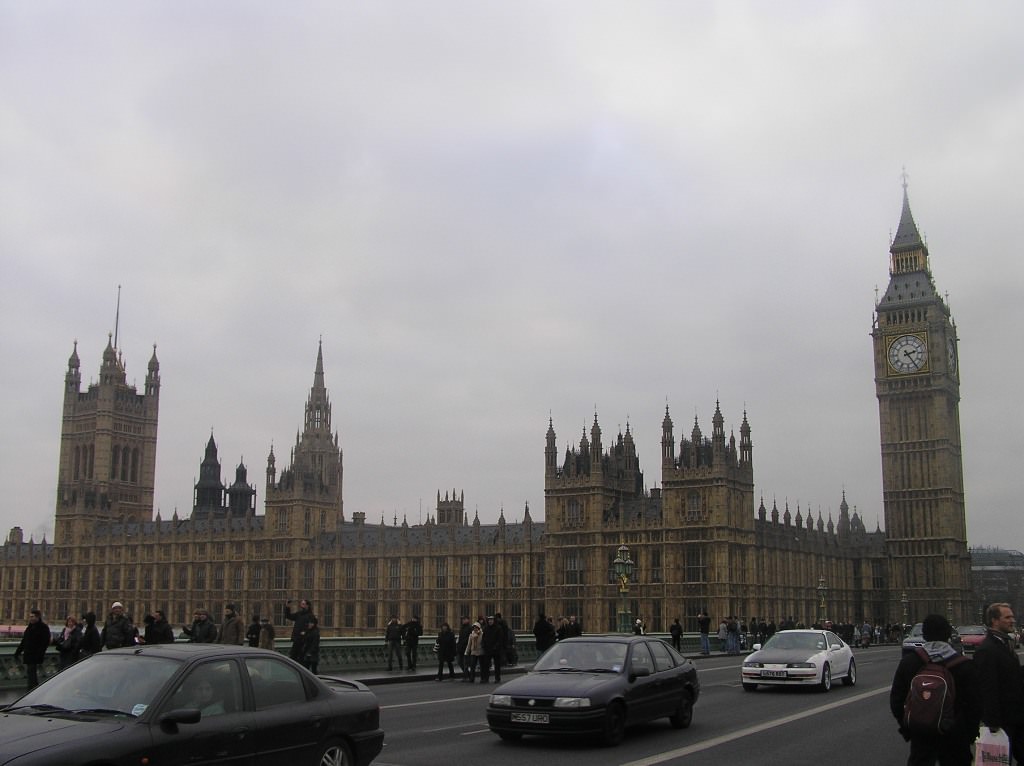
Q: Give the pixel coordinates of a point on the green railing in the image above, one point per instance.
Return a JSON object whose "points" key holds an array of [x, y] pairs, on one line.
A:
{"points": [[341, 656]]}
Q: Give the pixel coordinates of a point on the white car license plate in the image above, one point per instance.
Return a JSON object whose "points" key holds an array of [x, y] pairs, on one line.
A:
{"points": [[773, 674], [529, 717]]}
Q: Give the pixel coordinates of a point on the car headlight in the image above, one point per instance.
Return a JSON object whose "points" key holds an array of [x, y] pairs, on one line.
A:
{"points": [[753, 664], [572, 702], [800, 665], [501, 700]]}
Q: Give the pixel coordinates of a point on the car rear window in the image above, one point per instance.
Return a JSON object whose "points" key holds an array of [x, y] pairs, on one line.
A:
{"points": [[662, 658]]}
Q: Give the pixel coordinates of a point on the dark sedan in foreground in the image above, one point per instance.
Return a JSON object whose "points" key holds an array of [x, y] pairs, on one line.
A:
{"points": [[191, 704], [597, 685]]}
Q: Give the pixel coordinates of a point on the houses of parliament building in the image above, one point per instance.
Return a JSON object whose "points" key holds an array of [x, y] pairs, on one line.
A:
{"points": [[703, 541]]}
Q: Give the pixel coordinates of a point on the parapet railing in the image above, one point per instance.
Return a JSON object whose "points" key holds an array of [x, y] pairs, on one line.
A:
{"points": [[341, 656]]}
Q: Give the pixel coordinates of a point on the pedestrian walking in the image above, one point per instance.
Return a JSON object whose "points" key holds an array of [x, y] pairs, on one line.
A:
{"points": [[703, 626], [676, 631], [999, 674], [311, 645], [67, 643], [91, 641], [928, 745], [474, 651], [32, 647], [300, 618], [444, 646], [393, 633], [413, 631]]}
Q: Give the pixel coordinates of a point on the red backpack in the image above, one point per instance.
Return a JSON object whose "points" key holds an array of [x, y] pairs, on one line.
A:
{"points": [[929, 707]]}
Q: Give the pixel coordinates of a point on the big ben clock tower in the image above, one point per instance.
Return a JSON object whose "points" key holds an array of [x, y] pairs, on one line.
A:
{"points": [[917, 381]]}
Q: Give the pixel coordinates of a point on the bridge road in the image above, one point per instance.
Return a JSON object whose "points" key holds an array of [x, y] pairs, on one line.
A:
{"points": [[428, 723], [433, 723]]}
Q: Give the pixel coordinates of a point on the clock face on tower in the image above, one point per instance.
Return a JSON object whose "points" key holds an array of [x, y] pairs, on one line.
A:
{"points": [[951, 355], [907, 354]]}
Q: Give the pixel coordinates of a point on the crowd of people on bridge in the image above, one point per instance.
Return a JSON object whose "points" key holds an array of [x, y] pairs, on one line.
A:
{"points": [[83, 636]]}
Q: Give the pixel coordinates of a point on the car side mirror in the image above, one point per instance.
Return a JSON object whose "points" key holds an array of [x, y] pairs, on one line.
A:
{"points": [[169, 721], [757, 647], [836, 646], [638, 672]]}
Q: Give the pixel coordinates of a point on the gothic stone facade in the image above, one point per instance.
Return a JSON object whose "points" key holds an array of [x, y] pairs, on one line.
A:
{"points": [[698, 542]]}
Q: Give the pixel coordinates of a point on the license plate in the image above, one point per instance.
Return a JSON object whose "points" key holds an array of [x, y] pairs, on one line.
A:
{"points": [[773, 674], [529, 717]]}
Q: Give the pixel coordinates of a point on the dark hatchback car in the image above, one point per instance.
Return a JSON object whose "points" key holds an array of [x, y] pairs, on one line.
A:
{"points": [[191, 704], [597, 685]]}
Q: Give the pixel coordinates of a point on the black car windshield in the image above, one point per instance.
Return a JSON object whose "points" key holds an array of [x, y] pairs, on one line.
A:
{"points": [[808, 641], [114, 683], [600, 656]]}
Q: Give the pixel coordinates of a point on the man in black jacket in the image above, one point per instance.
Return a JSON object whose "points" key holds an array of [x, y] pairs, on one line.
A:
{"points": [[493, 644], [301, 619], [394, 632], [413, 631], [158, 630], [1000, 675], [118, 630], [954, 747], [32, 648], [543, 633]]}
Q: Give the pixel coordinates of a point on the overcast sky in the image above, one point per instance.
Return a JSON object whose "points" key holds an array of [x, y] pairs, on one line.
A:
{"points": [[495, 213]]}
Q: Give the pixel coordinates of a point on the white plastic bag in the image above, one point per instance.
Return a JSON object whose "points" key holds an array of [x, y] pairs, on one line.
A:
{"points": [[992, 748]]}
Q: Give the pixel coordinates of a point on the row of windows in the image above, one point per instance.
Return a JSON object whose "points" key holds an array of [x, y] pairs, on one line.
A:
{"points": [[276, 575]]}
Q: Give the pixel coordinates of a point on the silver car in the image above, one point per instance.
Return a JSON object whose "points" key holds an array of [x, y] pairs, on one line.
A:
{"points": [[800, 658]]}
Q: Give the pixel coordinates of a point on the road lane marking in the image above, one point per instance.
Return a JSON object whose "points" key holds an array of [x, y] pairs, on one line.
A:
{"points": [[435, 702], [668, 755]]}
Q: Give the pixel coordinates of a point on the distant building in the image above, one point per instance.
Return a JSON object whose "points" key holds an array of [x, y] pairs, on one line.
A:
{"points": [[703, 541], [997, 575]]}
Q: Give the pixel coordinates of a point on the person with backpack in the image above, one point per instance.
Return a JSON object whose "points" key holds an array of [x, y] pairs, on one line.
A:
{"points": [[936, 699]]}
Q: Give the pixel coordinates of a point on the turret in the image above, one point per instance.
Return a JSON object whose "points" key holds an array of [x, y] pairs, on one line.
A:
{"points": [[668, 442], [550, 451]]}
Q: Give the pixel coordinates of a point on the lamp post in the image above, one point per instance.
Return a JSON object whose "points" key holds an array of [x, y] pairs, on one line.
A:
{"points": [[822, 589], [904, 600], [623, 568]]}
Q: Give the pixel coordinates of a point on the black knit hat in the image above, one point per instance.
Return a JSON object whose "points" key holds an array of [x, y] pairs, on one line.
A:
{"points": [[936, 628]]}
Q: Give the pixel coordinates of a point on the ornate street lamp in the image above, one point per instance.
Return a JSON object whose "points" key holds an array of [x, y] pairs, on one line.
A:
{"points": [[623, 568], [822, 589], [904, 600]]}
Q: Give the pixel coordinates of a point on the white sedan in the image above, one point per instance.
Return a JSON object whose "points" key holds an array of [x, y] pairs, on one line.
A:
{"points": [[800, 658]]}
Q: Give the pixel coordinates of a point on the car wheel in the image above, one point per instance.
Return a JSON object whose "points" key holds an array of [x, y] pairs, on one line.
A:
{"points": [[749, 687], [335, 754], [851, 674], [614, 724], [510, 736], [826, 678], [684, 713]]}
